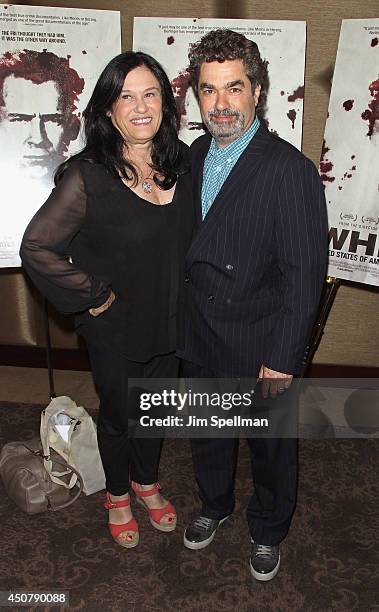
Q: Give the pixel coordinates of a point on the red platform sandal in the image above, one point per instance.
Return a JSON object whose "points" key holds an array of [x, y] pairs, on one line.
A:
{"points": [[126, 534], [156, 514]]}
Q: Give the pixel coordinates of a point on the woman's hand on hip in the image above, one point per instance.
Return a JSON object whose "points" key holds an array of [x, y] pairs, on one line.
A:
{"points": [[95, 312]]}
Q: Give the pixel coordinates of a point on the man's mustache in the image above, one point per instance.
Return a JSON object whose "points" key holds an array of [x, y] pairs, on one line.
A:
{"points": [[226, 112]]}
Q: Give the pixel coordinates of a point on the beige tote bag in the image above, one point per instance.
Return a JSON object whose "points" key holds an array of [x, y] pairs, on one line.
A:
{"points": [[75, 441]]}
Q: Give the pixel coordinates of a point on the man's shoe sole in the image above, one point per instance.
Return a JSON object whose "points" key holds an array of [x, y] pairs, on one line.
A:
{"points": [[265, 577], [204, 543]]}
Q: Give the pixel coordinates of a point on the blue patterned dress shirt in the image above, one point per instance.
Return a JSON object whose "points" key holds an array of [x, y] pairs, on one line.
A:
{"points": [[219, 163]]}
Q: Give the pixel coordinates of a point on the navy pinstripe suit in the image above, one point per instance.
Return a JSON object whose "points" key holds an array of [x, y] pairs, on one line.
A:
{"points": [[255, 271]]}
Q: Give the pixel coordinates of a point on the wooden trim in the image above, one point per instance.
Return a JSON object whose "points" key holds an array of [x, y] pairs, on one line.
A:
{"points": [[341, 371], [77, 359], [33, 357]]}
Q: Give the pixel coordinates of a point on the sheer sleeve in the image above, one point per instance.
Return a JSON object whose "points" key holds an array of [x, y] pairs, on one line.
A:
{"points": [[46, 245]]}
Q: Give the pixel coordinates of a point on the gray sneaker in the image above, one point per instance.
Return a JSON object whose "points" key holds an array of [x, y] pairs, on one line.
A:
{"points": [[264, 561], [201, 531]]}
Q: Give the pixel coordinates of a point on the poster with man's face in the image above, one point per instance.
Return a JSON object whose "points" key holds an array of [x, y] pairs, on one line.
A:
{"points": [[349, 165], [32, 123], [50, 60], [281, 44]]}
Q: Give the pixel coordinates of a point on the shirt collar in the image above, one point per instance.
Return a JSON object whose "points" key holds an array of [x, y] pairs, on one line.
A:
{"points": [[234, 148]]}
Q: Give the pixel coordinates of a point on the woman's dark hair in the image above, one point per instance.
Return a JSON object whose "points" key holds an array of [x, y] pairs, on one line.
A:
{"points": [[105, 144], [221, 45]]}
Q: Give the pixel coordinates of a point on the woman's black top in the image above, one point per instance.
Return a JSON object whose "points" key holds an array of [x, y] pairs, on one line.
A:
{"points": [[94, 234]]}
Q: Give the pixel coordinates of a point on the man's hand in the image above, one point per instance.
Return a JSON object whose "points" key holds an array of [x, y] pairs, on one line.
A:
{"points": [[95, 312], [273, 383]]}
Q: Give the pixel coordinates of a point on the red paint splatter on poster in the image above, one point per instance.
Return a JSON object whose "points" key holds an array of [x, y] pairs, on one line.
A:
{"points": [[180, 87], [298, 94], [374, 42], [170, 40], [371, 114], [348, 105], [349, 173], [292, 116], [326, 165]]}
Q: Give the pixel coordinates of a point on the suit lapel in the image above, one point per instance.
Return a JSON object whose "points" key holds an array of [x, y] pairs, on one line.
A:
{"points": [[197, 176], [228, 194]]}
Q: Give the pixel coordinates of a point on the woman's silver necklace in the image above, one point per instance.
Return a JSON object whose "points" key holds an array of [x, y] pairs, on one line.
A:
{"points": [[147, 186]]}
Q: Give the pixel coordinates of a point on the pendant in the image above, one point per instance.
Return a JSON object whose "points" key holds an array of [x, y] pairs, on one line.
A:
{"points": [[147, 186]]}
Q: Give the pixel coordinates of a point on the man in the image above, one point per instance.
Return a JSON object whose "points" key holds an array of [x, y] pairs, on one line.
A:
{"points": [[254, 276], [38, 95]]}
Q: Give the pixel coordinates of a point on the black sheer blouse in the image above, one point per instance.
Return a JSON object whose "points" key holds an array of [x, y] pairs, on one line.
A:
{"points": [[94, 234]]}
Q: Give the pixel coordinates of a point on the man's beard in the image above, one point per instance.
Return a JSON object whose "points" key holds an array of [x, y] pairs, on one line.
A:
{"points": [[219, 131]]}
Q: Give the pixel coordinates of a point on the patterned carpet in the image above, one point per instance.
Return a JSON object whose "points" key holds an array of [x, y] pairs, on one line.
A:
{"points": [[329, 560]]}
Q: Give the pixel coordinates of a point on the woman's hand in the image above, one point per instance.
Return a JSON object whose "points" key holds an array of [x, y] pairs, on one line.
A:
{"points": [[95, 312]]}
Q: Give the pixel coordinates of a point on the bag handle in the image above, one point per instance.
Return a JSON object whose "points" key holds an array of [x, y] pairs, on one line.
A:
{"points": [[56, 476], [63, 404], [45, 428], [79, 481]]}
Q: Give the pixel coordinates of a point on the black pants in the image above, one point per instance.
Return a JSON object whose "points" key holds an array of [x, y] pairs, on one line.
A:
{"points": [[274, 465], [125, 458]]}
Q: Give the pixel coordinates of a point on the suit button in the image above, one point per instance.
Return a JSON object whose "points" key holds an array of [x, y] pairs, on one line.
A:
{"points": [[229, 267], [187, 279], [211, 298]]}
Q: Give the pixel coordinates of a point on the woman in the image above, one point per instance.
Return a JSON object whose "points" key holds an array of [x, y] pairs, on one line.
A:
{"points": [[109, 244]]}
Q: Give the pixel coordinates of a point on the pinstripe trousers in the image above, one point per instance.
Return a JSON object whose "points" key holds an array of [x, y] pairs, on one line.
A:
{"points": [[274, 465]]}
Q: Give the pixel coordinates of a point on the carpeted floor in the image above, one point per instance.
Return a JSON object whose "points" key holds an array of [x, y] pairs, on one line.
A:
{"points": [[329, 560]]}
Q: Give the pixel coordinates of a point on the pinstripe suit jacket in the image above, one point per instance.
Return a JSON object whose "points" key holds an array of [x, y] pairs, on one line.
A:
{"points": [[255, 269]]}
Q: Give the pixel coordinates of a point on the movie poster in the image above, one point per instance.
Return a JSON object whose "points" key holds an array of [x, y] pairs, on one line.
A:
{"points": [[349, 164], [281, 44], [50, 59]]}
